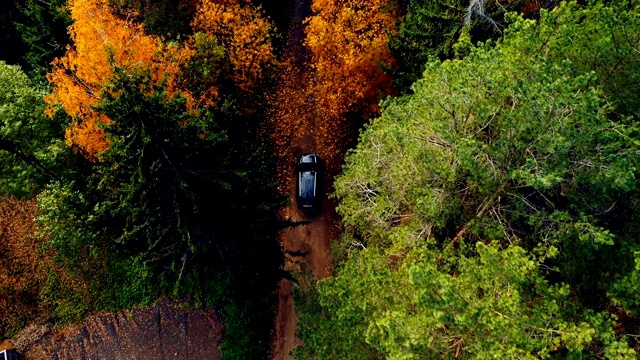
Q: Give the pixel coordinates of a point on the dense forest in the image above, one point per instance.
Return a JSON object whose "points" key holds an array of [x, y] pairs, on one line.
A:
{"points": [[482, 155]]}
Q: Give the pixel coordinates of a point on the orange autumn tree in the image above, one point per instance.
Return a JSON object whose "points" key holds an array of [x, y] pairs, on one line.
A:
{"points": [[348, 40], [244, 33], [102, 40]]}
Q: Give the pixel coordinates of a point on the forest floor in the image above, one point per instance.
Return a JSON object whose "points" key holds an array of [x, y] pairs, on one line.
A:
{"points": [[306, 247], [167, 330]]}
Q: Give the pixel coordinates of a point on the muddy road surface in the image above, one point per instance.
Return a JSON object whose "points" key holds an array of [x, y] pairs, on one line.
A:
{"points": [[306, 247]]}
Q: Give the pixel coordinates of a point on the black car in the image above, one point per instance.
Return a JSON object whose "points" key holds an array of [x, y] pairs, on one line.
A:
{"points": [[309, 182]]}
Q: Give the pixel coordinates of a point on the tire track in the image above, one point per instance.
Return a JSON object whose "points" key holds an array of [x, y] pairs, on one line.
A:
{"points": [[305, 246]]}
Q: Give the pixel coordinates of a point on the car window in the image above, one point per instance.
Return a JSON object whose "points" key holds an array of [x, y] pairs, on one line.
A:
{"points": [[307, 184], [306, 167], [309, 158]]}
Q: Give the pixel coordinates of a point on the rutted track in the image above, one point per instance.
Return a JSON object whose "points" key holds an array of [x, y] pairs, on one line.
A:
{"points": [[306, 245]]}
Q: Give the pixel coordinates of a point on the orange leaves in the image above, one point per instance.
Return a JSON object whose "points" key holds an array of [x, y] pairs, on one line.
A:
{"points": [[87, 135], [243, 32], [78, 77], [292, 119], [348, 43], [100, 39], [103, 40], [322, 109], [22, 273]]}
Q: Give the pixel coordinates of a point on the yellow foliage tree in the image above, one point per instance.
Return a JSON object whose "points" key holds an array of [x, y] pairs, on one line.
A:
{"points": [[244, 33], [102, 40], [347, 40]]}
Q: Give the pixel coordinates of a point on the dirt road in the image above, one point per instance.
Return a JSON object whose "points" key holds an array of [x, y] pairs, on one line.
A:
{"points": [[305, 246]]}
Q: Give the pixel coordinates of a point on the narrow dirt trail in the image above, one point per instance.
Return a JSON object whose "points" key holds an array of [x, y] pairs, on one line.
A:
{"points": [[305, 246]]}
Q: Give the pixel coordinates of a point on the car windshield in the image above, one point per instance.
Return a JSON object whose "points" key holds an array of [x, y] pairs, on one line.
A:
{"points": [[308, 184]]}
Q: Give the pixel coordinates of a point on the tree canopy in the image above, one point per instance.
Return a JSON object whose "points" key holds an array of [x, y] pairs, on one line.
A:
{"points": [[164, 186], [486, 212], [347, 42], [432, 29], [30, 146], [490, 210]]}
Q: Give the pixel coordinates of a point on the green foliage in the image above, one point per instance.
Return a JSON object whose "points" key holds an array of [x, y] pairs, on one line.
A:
{"points": [[247, 328], [606, 44], [43, 29], [488, 207], [32, 34], [428, 29], [208, 67], [626, 292], [182, 203], [442, 29], [31, 144], [66, 303], [135, 285], [165, 190], [492, 304], [334, 323], [11, 45], [169, 19]]}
